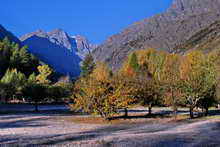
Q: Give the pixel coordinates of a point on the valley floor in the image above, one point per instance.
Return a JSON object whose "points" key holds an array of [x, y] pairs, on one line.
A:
{"points": [[26, 129]]}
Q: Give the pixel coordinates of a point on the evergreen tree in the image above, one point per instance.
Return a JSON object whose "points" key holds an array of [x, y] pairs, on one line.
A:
{"points": [[35, 92], [88, 65], [13, 57], [23, 61], [14, 82], [5, 53], [133, 62]]}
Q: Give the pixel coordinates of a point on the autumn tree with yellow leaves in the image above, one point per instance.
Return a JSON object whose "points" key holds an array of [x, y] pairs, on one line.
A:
{"points": [[199, 80], [44, 72], [142, 69], [170, 77], [101, 93], [148, 78]]}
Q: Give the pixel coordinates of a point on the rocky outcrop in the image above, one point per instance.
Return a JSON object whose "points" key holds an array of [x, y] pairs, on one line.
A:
{"points": [[84, 47], [206, 40]]}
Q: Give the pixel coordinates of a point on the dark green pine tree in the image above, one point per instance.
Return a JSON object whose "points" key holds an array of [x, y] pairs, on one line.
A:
{"points": [[23, 61], [87, 65], [13, 57], [5, 53], [133, 61]]}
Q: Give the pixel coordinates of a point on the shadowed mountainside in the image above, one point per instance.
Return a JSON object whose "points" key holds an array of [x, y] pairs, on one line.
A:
{"points": [[56, 48], [4, 33], [63, 60]]}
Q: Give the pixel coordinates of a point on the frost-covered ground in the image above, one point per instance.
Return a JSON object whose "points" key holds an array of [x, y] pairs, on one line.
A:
{"points": [[54, 129]]}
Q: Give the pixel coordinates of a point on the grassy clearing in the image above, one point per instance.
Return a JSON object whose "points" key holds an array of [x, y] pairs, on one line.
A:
{"points": [[101, 121], [210, 117], [140, 118]]}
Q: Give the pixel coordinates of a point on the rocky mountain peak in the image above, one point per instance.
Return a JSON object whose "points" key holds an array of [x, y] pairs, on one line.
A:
{"points": [[58, 33], [194, 7], [84, 47], [82, 43], [178, 5], [60, 37], [40, 31]]}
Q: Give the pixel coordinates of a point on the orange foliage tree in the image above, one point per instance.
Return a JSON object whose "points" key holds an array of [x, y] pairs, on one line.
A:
{"points": [[101, 93]]}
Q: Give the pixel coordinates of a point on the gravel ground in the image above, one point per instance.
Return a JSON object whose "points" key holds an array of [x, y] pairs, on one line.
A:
{"points": [[53, 129]]}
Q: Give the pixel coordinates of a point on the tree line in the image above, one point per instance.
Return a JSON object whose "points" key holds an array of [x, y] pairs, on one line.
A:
{"points": [[149, 78], [23, 77]]}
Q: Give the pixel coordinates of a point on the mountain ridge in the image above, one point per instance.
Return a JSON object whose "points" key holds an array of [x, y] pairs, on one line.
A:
{"points": [[163, 31], [5, 33]]}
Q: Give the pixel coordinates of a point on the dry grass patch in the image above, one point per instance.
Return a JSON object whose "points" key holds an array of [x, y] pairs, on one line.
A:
{"points": [[211, 117], [99, 120], [121, 121]]}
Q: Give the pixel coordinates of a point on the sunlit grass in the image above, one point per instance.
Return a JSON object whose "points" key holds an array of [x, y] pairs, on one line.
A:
{"points": [[141, 118], [99, 120]]}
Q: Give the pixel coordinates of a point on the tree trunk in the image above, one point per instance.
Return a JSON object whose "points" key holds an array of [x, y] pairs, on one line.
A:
{"points": [[191, 112], [150, 109], [174, 105], [36, 107], [175, 113], [126, 112], [206, 111], [203, 113]]}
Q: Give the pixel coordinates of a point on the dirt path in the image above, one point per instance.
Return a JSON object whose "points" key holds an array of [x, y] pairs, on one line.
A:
{"points": [[32, 129]]}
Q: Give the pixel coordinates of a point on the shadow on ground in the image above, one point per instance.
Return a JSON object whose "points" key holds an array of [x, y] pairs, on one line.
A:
{"points": [[108, 130], [22, 123]]}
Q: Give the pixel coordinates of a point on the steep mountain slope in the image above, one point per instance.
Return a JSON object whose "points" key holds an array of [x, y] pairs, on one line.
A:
{"points": [[165, 31], [83, 45], [57, 49], [4, 33], [207, 39]]}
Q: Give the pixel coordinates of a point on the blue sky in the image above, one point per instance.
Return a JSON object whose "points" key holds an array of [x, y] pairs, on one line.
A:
{"points": [[95, 19]]}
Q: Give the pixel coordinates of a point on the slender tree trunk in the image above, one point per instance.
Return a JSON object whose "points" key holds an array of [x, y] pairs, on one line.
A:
{"points": [[206, 111], [174, 104], [107, 118], [36, 106], [150, 109], [203, 113], [191, 112], [126, 112], [175, 112]]}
